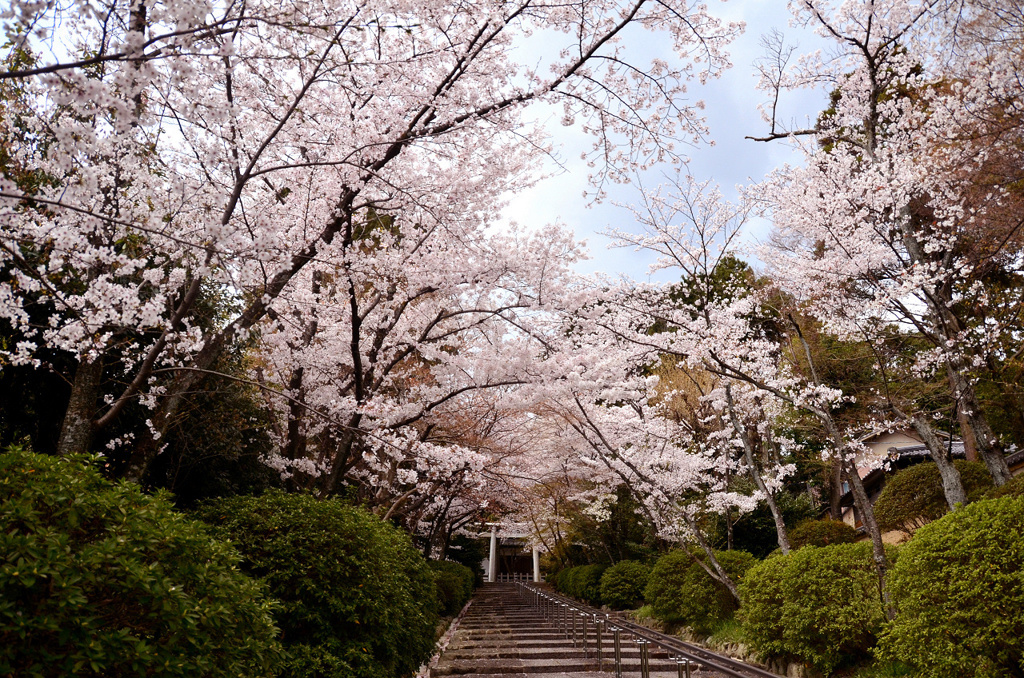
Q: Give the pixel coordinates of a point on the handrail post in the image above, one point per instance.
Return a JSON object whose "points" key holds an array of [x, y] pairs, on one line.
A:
{"points": [[583, 619], [645, 667], [618, 652]]}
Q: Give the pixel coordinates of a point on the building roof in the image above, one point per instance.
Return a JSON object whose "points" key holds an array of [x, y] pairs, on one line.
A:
{"points": [[956, 448]]}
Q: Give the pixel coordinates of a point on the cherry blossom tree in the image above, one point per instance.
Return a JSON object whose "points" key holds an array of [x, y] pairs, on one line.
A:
{"points": [[243, 147], [885, 220], [378, 362], [618, 425], [728, 332]]}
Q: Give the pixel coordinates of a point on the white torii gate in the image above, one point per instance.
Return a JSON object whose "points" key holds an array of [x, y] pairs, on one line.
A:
{"points": [[492, 565]]}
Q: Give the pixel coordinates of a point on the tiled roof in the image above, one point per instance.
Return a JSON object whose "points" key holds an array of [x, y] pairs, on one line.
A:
{"points": [[1015, 458], [957, 449]]}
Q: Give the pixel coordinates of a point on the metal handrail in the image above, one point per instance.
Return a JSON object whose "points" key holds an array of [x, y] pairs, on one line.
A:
{"points": [[682, 652]]}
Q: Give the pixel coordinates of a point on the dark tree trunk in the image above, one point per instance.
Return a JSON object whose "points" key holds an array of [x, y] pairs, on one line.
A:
{"points": [[867, 513], [989, 449], [712, 567], [835, 491], [77, 428], [755, 473], [952, 485]]}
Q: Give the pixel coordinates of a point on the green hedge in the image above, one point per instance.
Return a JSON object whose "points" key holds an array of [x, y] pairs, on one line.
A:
{"points": [[818, 605], [622, 585], [958, 586], [99, 579], [914, 496], [358, 599], [1014, 488], [454, 584], [582, 582], [822, 533], [680, 590]]}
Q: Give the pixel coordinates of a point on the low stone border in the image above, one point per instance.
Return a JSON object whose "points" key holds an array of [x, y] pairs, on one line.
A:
{"points": [[442, 643]]}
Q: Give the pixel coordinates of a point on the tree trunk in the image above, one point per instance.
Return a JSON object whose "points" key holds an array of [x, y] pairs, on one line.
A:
{"points": [[952, 485], [77, 428], [988, 445], [867, 513], [296, 442], [716, 570], [755, 473], [835, 491], [947, 330], [728, 529], [967, 433]]}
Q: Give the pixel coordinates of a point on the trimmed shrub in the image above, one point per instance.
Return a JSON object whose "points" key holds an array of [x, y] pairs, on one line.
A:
{"points": [[680, 590], [469, 551], [958, 586], [622, 585], [586, 583], [818, 605], [556, 580], [822, 533], [99, 579], [762, 594], [582, 582], [754, 531], [561, 581], [1014, 488], [358, 599], [914, 497], [454, 584]]}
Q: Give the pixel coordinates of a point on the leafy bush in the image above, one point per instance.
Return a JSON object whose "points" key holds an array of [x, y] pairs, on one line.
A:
{"points": [[99, 579], [822, 533], [958, 586], [819, 605], [680, 590], [587, 583], [582, 582], [914, 496], [561, 581], [454, 584], [556, 580], [1014, 488], [469, 551], [358, 599], [622, 585], [754, 531]]}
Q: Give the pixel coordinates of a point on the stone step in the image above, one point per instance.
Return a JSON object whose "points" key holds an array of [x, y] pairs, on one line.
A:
{"points": [[502, 636], [500, 666]]}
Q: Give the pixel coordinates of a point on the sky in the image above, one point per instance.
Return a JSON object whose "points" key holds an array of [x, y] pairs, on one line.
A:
{"points": [[731, 111]]}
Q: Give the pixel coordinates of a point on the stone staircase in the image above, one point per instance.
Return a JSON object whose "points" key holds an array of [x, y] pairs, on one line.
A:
{"points": [[503, 635]]}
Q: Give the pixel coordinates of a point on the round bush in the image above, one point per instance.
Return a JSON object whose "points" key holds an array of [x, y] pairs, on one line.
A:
{"points": [[560, 580], [358, 599], [99, 579], [822, 533], [563, 580], [586, 583], [680, 590], [1014, 488], [454, 584], [958, 586], [914, 497], [622, 585], [819, 605], [582, 582]]}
